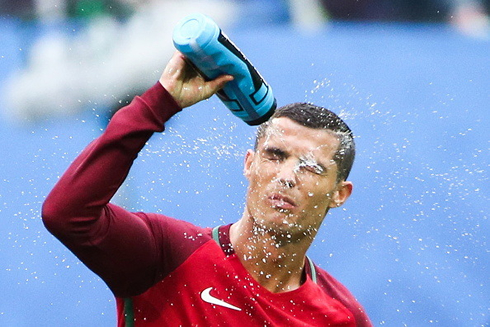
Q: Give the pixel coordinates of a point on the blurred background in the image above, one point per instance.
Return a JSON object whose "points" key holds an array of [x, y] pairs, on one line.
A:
{"points": [[410, 77]]}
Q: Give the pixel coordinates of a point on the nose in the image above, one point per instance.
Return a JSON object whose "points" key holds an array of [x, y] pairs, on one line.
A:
{"points": [[286, 174]]}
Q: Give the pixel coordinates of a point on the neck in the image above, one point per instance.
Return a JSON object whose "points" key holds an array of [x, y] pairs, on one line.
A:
{"points": [[275, 261]]}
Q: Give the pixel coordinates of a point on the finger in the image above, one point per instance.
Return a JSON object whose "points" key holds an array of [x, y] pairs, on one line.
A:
{"points": [[178, 57], [215, 85], [175, 64], [219, 82]]}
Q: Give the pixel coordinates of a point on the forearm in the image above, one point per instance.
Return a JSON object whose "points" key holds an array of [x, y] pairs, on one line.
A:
{"points": [[77, 212], [96, 174]]}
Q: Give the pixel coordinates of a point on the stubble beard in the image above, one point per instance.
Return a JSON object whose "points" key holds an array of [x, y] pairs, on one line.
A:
{"points": [[284, 227]]}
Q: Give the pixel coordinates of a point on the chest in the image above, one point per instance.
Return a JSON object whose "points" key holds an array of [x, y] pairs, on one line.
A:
{"points": [[211, 289]]}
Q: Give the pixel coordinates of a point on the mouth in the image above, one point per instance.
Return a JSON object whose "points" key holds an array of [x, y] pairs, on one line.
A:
{"points": [[282, 202]]}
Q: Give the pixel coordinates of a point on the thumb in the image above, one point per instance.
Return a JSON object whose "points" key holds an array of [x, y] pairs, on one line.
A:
{"points": [[219, 82]]}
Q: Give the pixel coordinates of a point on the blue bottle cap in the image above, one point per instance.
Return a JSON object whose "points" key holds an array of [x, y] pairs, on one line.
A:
{"points": [[194, 32]]}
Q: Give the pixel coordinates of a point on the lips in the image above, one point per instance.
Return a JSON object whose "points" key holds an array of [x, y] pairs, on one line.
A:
{"points": [[281, 202]]}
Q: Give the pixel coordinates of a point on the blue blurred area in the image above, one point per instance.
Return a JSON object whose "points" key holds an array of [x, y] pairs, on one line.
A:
{"points": [[411, 243]]}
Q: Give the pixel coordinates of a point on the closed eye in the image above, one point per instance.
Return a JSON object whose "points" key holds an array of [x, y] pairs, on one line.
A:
{"points": [[273, 153], [316, 169], [313, 167]]}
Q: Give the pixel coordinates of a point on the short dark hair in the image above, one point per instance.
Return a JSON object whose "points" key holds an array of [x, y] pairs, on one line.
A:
{"points": [[312, 116]]}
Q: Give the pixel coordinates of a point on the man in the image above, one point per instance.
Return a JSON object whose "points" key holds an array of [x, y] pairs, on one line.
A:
{"points": [[167, 272]]}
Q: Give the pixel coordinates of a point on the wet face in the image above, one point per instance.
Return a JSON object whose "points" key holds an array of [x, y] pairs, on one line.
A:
{"points": [[293, 179]]}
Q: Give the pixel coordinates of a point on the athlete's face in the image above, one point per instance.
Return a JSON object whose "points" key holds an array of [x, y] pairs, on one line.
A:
{"points": [[293, 178]]}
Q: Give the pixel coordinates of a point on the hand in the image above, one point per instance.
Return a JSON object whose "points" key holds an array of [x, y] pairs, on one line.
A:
{"points": [[186, 85]]}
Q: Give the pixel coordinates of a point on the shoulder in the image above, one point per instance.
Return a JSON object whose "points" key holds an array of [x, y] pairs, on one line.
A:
{"points": [[330, 284], [170, 229], [176, 239], [338, 291]]}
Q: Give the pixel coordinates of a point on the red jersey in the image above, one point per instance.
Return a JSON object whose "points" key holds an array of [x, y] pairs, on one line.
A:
{"points": [[167, 272]]}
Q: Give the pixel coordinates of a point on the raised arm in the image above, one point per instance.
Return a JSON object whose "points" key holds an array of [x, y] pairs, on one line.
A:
{"points": [[118, 245]]}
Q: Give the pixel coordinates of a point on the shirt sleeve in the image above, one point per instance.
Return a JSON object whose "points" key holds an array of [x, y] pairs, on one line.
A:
{"points": [[121, 247]]}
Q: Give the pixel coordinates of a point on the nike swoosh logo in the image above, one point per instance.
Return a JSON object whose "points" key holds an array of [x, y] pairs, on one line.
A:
{"points": [[208, 298]]}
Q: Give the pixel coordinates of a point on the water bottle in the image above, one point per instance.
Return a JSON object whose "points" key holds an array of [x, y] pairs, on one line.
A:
{"points": [[203, 43]]}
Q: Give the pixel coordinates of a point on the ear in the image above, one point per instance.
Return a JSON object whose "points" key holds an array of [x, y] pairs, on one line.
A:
{"points": [[344, 190], [247, 166]]}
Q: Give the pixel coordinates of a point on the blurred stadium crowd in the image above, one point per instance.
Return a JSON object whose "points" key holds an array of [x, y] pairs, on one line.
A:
{"points": [[458, 12], [62, 62]]}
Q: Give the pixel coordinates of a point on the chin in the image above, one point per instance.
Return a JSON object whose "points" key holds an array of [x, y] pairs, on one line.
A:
{"points": [[281, 224]]}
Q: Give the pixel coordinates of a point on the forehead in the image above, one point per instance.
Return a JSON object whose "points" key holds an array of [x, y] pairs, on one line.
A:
{"points": [[288, 135]]}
